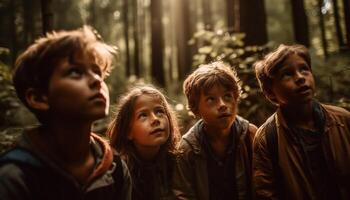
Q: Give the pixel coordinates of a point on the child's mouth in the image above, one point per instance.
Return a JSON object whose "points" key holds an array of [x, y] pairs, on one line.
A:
{"points": [[158, 130], [303, 89]]}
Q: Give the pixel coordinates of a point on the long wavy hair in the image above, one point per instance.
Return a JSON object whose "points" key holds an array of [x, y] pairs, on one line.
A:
{"points": [[120, 127]]}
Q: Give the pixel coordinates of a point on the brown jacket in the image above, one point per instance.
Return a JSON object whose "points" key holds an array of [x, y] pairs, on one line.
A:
{"points": [[191, 176], [296, 178]]}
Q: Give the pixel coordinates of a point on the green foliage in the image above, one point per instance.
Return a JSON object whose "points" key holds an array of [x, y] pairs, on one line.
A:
{"points": [[8, 100], [332, 79], [230, 48]]}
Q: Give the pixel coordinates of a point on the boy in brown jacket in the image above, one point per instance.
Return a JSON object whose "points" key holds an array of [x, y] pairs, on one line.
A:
{"points": [[303, 150], [215, 158]]}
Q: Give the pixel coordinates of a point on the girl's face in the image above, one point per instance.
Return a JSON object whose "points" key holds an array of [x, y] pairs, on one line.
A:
{"points": [[149, 124]]}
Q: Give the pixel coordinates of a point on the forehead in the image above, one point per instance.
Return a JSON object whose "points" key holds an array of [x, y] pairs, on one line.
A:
{"points": [[292, 60], [145, 101], [215, 89]]}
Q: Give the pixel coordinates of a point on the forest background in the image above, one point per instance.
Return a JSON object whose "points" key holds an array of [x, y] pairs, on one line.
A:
{"points": [[161, 42]]}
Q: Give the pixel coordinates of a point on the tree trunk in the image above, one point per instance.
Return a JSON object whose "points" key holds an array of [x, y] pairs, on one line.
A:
{"points": [[183, 49], [252, 21], [157, 43], [13, 32], [136, 39], [230, 15], [346, 5], [207, 15], [337, 23], [92, 14], [126, 36], [28, 25], [322, 27], [47, 15], [301, 28]]}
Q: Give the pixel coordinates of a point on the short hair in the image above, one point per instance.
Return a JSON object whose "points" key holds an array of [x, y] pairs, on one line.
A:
{"points": [[205, 77], [266, 68], [34, 67], [119, 128]]}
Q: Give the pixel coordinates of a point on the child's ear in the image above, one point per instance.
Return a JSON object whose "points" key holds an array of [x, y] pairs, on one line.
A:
{"points": [[36, 99], [270, 95]]}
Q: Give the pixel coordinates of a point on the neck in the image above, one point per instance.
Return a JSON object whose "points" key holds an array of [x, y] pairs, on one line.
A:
{"points": [[68, 142], [147, 153], [217, 134], [300, 115]]}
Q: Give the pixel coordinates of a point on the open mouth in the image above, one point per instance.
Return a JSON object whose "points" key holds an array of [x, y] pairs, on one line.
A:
{"points": [[158, 130], [303, 89], [98, 97]]}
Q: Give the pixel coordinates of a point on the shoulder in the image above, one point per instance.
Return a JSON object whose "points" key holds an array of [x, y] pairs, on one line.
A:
{"points": [[263, 130], [13, 182], [190, 140], [336, 110], [11, 171]]}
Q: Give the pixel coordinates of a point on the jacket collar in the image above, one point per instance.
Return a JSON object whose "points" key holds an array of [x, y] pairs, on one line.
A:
{"points": [[194, 139]]}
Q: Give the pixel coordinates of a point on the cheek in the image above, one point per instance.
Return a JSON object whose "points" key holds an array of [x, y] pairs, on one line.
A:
{"points": [[137, 131]]}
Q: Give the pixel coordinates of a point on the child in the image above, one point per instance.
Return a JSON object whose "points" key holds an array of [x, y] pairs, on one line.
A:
{"points": [[145, 133], [303, 150], [60, 78], [215, 159]]}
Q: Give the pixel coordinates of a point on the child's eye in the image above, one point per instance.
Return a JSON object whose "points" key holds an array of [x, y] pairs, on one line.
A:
{"points": [[160, 112], [75, 72], [142, 115], [304, 69], [228, 97], [98, 71], [210, 99], [286, 74]]}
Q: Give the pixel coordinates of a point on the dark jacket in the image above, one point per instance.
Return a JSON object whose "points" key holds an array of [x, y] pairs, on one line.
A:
{"points": [[38, 178], [191, 176], [152, 180], [296, 178]]}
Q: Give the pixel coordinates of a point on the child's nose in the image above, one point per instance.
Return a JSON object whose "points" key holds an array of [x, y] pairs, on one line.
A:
{"points": [[155, 119], [221, 103], [300, 78], [95, 79]]}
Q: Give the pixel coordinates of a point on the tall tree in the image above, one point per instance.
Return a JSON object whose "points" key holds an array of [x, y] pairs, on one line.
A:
{"points": [[126, 36], [136, 38], [301, 28], [184, 53], [322, 27], [92, 13], [28, 17], [157, 43], [337, 23], [13, 31], [252, 21], [230, 15], [346, 6], [207, 14], [47, 15]]}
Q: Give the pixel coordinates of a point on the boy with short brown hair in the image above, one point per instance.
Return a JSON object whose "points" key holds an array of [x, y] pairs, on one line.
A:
{"points": [[60, 78], [215, 158], [303, 150]]}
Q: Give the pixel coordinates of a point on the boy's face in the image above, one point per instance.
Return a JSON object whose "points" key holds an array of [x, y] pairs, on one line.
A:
{"points": [[217, 108], [77, 90], [294, 83], [150, 123]]}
